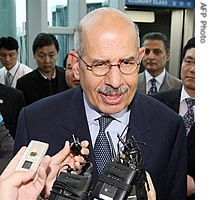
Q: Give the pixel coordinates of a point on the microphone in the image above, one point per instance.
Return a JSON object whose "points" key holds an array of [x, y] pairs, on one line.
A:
{"points": [[120, 175], [112, 145]]}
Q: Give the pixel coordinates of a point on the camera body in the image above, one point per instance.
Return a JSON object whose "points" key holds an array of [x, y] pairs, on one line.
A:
{"points": [[115, 182]]}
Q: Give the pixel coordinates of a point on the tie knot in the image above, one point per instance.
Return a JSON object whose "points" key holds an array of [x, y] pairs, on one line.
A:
{"points": [[104, 121], [8, 74], [190, 102], [153, 81]]}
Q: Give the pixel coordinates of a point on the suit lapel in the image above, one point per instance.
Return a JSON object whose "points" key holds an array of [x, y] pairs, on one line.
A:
{"points": [[142, 83], [79, 127], [139, 126]]}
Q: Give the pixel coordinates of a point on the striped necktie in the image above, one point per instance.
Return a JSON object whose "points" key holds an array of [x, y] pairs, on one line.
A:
{"points": [[8, 79]]}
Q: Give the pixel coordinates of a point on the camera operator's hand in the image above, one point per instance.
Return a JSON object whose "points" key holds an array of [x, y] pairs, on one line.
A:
{"points": [[65, 156], [22, 185]]}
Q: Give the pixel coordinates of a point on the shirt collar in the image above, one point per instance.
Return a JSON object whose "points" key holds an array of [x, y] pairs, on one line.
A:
{"points": [[184, 95], [13, 69], [54, 75], [159, 78], [92, 114]]}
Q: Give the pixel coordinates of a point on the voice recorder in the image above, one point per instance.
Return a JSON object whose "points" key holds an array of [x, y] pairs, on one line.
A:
{"points": [[33, 155]]}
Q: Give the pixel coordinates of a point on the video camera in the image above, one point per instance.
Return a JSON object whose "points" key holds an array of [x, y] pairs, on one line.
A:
{"points": [[117, 180]]}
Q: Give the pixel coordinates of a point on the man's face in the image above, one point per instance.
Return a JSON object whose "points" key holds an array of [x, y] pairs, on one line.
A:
{"points": [[155, 57], [8, 58], [46, 58], [113, 92], [69, 75], [188, 70]]}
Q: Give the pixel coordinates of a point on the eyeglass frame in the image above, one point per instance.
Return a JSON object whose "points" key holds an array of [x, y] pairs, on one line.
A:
{"points": [[91, 67]]}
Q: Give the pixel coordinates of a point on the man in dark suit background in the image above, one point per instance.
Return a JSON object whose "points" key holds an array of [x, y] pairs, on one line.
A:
{"points": [[106, 61], [175, 99], [6, 145], [11, 102], [48, 79], [157, 54]]}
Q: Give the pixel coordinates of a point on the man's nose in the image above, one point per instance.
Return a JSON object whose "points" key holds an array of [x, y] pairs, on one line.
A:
{"points": [[114, 77]]}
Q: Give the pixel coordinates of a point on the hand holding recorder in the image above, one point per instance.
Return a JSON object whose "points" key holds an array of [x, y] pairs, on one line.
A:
{"points": [[23, 185], [24, 180]]}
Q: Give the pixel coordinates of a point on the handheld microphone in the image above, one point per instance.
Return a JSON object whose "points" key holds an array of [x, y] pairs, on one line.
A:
{"points": [[73, 186]]}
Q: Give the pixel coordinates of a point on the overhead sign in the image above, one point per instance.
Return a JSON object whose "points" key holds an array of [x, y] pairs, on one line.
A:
{"points": [[162, 3]]}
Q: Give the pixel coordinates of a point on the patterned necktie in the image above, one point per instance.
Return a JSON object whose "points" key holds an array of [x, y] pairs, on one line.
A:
{"points": [[189, 115], [8, 79], [102, 149], [153, 88]]}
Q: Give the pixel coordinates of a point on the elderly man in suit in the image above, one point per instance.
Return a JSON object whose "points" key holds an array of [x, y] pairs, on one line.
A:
{"points": [[178, 100], [106, 61], [155, 77]]}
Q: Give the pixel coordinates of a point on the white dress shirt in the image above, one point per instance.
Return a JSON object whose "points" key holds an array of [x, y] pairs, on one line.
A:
{"points": [[183, 105], [17, 71], [159, 80]]}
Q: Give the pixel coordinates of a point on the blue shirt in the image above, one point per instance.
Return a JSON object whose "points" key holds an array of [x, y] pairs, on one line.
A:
{"points": [[117, 126]]}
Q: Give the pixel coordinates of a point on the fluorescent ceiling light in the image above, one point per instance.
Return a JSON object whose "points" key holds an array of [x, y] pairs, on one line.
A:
{"points": [[141, 16]]}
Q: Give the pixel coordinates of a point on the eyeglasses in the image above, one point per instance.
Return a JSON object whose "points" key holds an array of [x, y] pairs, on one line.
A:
{"points": [[189, 61], [101, 68]]}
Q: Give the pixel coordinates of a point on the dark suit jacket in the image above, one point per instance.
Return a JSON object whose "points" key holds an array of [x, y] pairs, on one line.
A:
{"points": [[170, 82], [32, 85], [172, 100], [6, 146], [11, 102], [54, 119]]}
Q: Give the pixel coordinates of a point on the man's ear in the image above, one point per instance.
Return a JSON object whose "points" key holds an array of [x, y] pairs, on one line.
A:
{"points": [[73, 59], [141, 53], [168, 55]]}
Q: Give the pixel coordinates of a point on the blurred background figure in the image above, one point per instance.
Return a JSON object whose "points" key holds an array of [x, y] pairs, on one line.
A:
{"points": [[182, 101], [6, 145], [155, 77], [12, 69], [47, 79], [71, 80], [11, 102]]}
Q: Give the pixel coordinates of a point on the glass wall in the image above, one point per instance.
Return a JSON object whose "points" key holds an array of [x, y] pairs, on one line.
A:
{"points": [[24, 19]]}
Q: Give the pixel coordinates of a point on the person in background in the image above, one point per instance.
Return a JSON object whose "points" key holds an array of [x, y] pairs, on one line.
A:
{"points": [[12, 69], [11, 102], [6, 145], [177, 101], [106, 61], [25, 185], [48, 79], [155, 77], [69, 75]]}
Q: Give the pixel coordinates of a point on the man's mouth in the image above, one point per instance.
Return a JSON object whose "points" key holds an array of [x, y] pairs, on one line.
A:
{"points": [[112, 98]]}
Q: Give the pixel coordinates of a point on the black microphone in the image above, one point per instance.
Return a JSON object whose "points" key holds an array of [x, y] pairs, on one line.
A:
{"points": [[120, 175]]}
